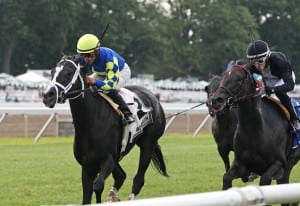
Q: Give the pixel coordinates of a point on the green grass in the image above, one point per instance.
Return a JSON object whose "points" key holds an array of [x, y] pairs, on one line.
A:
{"points": [[47, 173]]}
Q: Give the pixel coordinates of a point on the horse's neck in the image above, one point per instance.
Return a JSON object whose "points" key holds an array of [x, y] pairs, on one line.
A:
{"points": [[225, 118], [83, 108], [249, 113]]}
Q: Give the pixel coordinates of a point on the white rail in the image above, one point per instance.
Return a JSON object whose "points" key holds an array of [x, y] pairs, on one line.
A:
{"points": [[249, 195], [63, 109]]}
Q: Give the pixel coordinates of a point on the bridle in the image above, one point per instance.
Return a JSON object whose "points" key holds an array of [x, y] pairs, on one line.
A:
{"points": [[65, 90], [234, 97]]}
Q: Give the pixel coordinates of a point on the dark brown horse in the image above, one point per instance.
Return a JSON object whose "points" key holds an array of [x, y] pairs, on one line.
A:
{"points": [[262, 141], [223, 124], [98, 131]]}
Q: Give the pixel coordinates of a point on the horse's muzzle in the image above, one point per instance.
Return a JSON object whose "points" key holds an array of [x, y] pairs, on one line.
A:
{"points": [[49, 98]]}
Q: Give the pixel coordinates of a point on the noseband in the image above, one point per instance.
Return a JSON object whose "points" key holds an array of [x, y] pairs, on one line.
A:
{"points": [[63, 95]]}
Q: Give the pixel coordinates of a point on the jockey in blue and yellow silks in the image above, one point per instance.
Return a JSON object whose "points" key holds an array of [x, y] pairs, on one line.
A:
{"points": [[110, 71]]}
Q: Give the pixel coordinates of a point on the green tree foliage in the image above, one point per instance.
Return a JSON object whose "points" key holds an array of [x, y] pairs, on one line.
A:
{"points": [[279, 23], [12, 15], [167, 38]]}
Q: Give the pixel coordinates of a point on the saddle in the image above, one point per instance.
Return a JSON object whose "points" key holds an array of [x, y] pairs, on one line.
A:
{"points": [[278, 103]]}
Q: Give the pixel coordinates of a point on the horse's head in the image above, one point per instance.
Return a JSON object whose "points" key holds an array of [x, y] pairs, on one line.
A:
{"points": [[67, 82], [210, 89], [236, 84]]}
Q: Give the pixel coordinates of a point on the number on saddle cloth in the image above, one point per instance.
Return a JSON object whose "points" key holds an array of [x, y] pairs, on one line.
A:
{"points": [[143, 117], [296, 136]]}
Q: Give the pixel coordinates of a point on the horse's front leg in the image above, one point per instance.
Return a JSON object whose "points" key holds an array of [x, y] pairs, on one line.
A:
{"points": [[87, 186], [275, 171], [236, 170], [119, 177], [106, 167], [224, 153]]}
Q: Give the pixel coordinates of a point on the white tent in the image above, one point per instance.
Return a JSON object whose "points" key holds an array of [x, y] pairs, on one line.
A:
{"points": [[6, 76], [32, 77]]}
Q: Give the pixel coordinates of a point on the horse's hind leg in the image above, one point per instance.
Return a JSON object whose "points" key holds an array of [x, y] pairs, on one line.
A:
{"points": [[139, 179], [119, 177]]}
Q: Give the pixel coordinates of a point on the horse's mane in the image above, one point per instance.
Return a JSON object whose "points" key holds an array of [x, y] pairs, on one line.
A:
{"points": [[215, 82], [73, 58]]}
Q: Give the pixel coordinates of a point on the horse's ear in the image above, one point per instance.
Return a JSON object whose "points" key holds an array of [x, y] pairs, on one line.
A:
{"points": [[206, 88], [210, 75]]}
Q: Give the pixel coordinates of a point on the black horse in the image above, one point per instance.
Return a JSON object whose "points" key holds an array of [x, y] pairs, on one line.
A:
{"points": [[98, 131], [262, 142], [223, 124]]}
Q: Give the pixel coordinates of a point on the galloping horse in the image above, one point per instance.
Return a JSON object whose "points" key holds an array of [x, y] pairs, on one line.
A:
{"points": [[98, 131], [224, 123], [262, 142]]}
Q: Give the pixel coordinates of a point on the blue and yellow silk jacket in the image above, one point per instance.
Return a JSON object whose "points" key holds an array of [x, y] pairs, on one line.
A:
{"points": [[108, 63]]}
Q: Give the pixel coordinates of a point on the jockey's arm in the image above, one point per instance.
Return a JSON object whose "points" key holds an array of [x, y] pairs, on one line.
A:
{"points": [[112, 76]]}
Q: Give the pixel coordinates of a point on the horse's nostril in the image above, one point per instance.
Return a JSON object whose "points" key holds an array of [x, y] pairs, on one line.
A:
{"points": [[219, 100]]}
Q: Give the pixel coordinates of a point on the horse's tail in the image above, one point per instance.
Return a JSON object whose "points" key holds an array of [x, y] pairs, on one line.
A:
{"points": [[158, 161]]}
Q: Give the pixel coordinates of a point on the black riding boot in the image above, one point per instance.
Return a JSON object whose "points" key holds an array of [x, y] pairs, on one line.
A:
{"points": [[293, 120], [116, 97]]}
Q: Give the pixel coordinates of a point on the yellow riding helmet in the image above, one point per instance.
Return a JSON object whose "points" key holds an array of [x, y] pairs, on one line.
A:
{"points": [[87, 43]]}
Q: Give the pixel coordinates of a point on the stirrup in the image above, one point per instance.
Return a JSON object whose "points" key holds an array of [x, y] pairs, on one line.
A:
{"points": [[129, 119], [295, 125]]}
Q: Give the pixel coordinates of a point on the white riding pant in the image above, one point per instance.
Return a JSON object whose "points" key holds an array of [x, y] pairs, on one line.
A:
{"points": [[275, 81]]}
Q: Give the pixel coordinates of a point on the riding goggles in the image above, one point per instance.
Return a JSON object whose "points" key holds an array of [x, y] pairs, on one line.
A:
{"points": [[260, 60], [88, 55]]}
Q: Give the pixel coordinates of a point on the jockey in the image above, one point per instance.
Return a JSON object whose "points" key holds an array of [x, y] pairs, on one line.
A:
{"points": [[277, 74], [110, 71]]}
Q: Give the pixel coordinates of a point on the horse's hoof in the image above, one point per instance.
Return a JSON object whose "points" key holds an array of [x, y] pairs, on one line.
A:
{"points": [[111, 199], [131, 197]]}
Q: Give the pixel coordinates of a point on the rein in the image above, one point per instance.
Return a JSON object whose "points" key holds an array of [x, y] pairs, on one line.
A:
{"points": [[183, 111], [233, 98]]}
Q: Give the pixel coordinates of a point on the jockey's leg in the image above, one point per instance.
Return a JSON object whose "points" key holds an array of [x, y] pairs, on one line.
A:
{"points": [[286, 101], [116, 97]]}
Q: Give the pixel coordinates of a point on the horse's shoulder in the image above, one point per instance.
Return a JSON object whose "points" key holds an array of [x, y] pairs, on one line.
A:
{"points": [[276, 105]]}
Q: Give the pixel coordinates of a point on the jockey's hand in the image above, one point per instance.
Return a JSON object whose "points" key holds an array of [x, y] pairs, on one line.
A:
{"points": [[90, 80], [269, 90], [93, 88]]}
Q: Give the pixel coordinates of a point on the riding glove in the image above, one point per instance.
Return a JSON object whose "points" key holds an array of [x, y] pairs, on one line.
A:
{"points": [[269, 90]]}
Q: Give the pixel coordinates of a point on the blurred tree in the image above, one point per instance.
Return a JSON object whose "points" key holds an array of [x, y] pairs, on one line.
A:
{"points": [[12, 29], [168, 38], [49, 24], [279, 25], [205, 35]]}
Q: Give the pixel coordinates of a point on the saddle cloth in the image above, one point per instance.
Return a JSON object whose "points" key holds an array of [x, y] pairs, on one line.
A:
{"points": [[142, 116]]}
